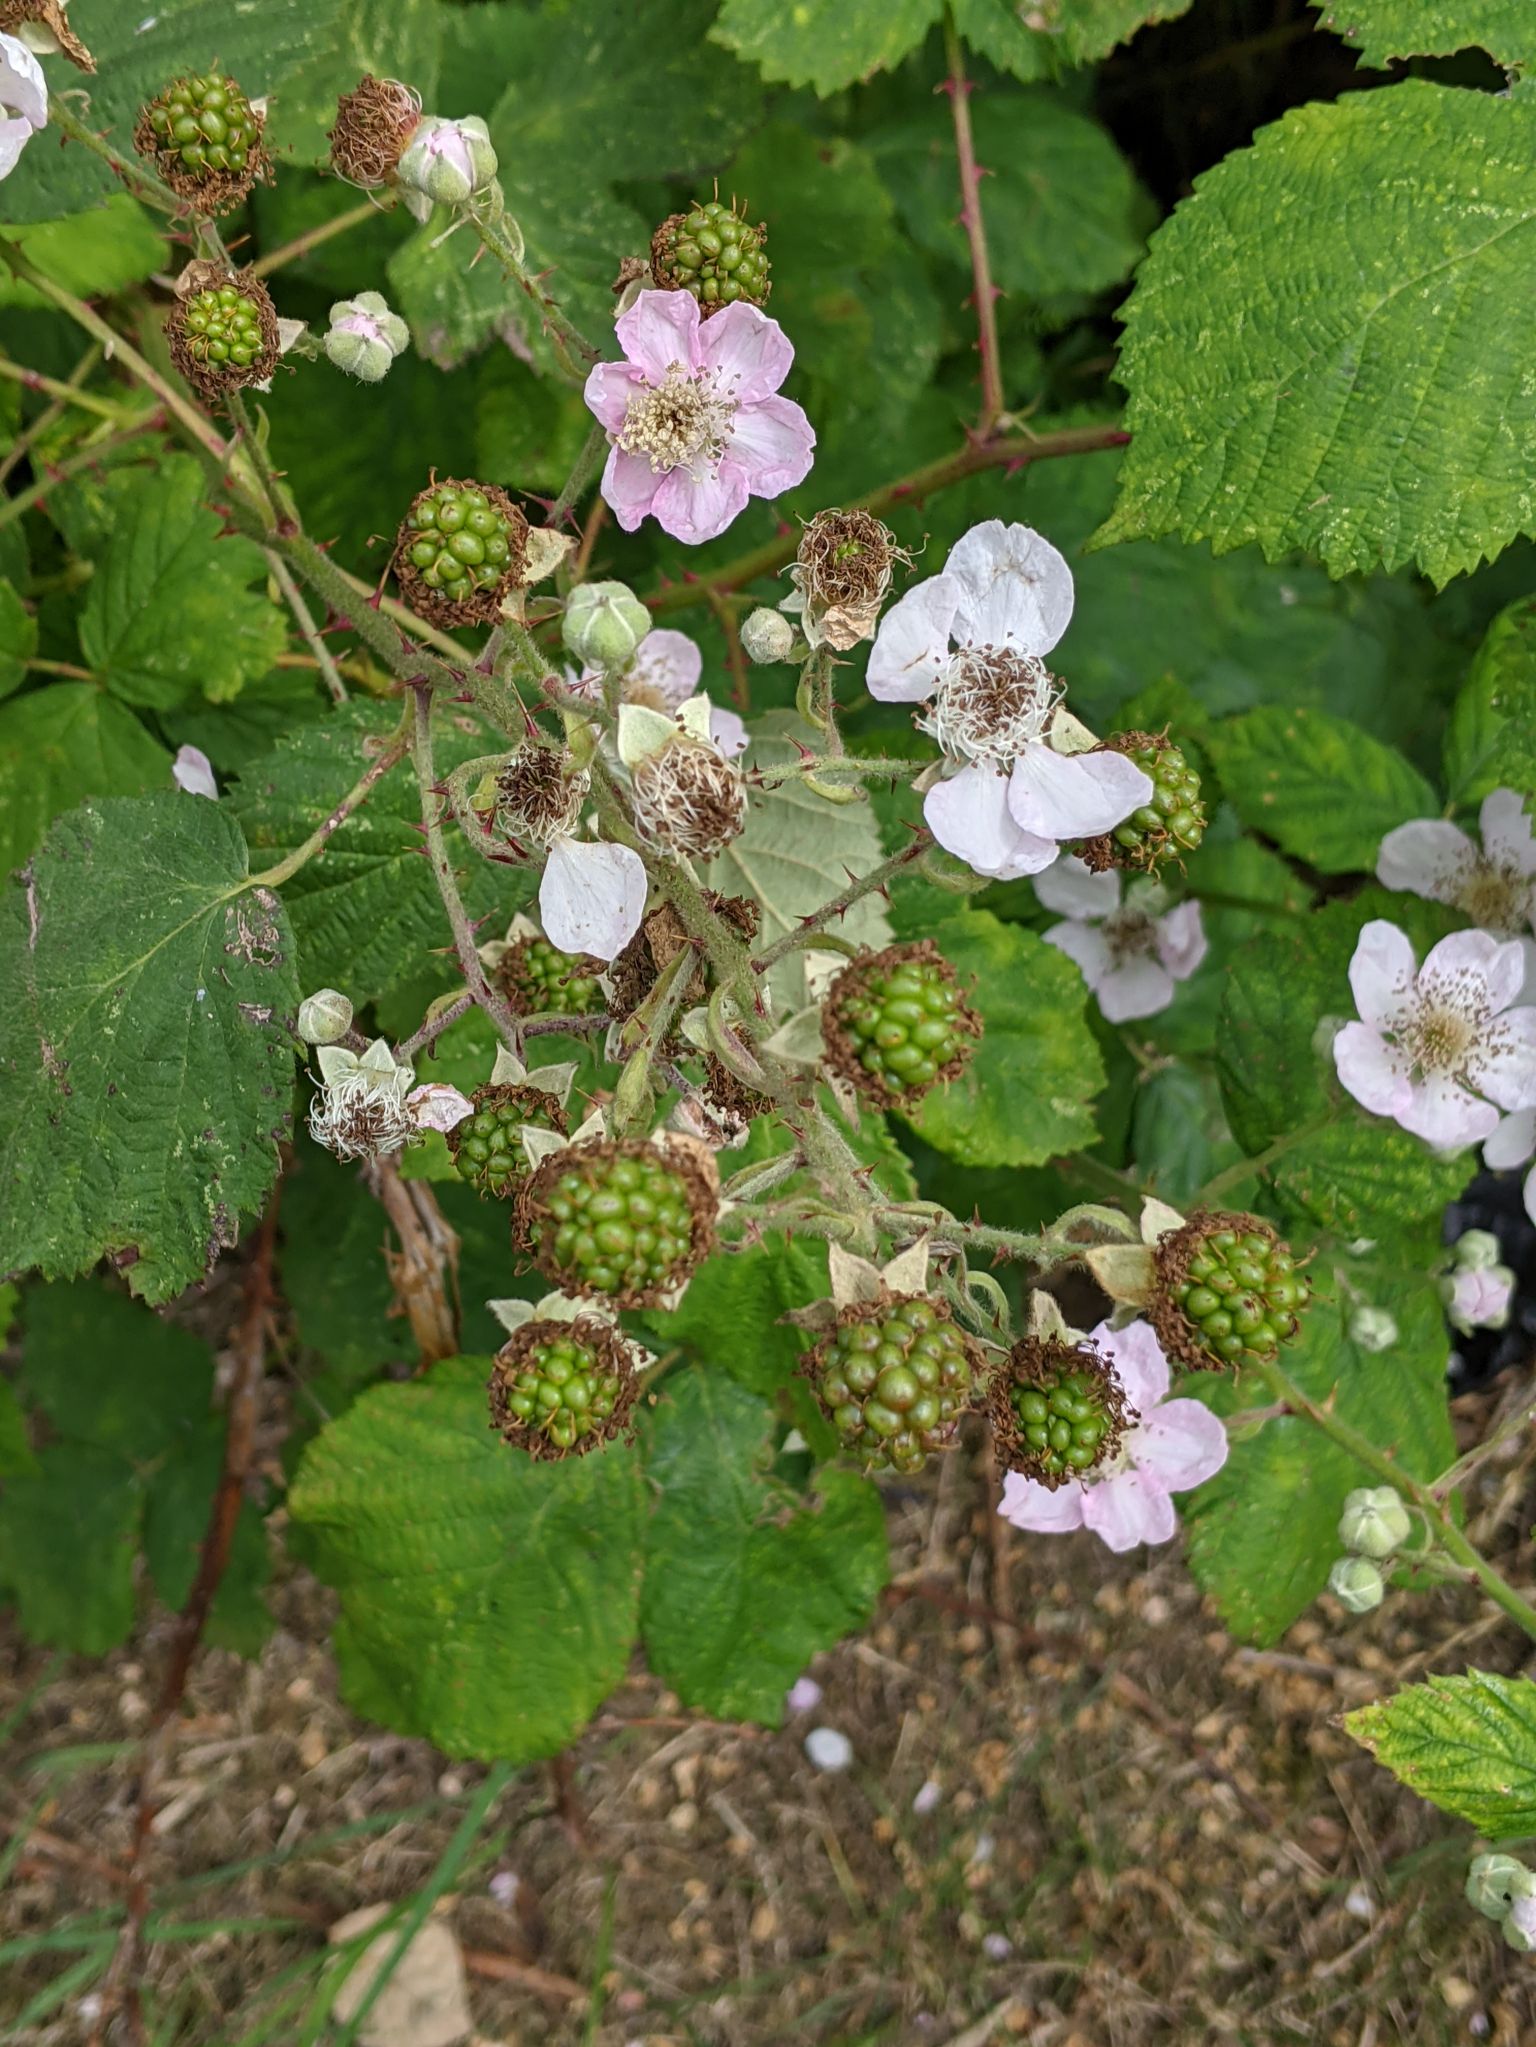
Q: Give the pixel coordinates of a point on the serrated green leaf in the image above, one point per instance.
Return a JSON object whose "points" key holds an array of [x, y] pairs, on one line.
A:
{"points": [[235, 734], [90, 254], [170, 611], [1323, 790], [1384, 29], [1263, 1533], [528, 432], [729, 1319], [1465, 1742], [68, 1537], [487, 1601], [825, 44], [1027, 1093], [145, 987], [60, 745], [1041, 39], [745, 1580], [18, 639], [1325, 346], [1491, 741], [1179, 1135]]}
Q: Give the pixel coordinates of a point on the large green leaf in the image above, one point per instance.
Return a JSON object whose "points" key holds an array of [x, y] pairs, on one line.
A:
{"points": [[390, 38], [1466, 1742], [826, 44], [487, 1601], [1491, 743], [60, 745], [730, 1317], [1038, 40], [90, 254], [746, 1580], [1326, 349], [1027, 1093], [145, 988], [1384, 29], [170, 611], [1323, 790], [1264, 1532]]}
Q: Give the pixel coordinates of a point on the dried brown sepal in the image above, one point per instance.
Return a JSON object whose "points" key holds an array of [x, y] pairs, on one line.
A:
{"points": [[374, 124], [210, 191], [729, 1093], [210, 379], [46, 14], [843, 570], [482, 606], [611, 1354], [688, 1159], [1034, 1362], [536, 800], [658, 942], [842, 1056]]}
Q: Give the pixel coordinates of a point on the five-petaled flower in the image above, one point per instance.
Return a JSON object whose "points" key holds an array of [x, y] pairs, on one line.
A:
{"points": [[968, 645], [693, 415], [1494, 883], [1439, 1048], [1170, 1446], [1131, 947]]}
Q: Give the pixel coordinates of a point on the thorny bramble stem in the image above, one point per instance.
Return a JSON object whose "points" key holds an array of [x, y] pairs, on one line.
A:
{"points": [[958, 86]]}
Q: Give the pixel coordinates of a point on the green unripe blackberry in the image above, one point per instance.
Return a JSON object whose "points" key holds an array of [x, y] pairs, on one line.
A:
{"points": [[560, 1389], [897, 1021], [1170, 825], [713, 253], [1227, 1289], [461, 547], [487, 1147], [222, 330], [204, 138], [894, 1378], [539, 979], [622, 1220], [1058, 1411]]}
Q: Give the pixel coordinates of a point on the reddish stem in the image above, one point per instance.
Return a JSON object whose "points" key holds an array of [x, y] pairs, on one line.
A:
{"points": [[984, 292]]}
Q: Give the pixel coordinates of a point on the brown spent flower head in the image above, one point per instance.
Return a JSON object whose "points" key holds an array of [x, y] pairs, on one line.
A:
{"points": [[730, 1095], [896, 1023], [222, 329], [573, 1209], [843, 572], [1226, 1287], [206, 140], [658, 942], [49, 16], [356, 1123], [477, 598], [537, 799], [688, 798], [609, 1370], [1058, 1411], [374, 123]]}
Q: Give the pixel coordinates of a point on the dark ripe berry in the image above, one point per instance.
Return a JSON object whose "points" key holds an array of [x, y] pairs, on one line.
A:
{"points": [[1228, 1289], [222, 331], [625, 1221], [894, 1378], [1058, 1411], [560, 1389], [461, 547], [711, 252], [487, 1147], [896, 1022], [204, 137], [1169, 826], [537, 979]]}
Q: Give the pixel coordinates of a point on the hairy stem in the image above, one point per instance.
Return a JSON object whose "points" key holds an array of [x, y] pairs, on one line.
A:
{"points": [[571, 346], [307, 627], [867, 884], [53, 474], [985, 294], [64, 391], [142, 183]]}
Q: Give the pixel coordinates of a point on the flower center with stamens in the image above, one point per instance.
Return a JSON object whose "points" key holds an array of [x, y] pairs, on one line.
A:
{"points": [[684, 422], [1497, 898], [990, 704], [1439, 1033], [1130, 934]]}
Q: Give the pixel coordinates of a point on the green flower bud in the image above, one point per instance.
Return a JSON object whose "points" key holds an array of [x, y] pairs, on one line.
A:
{"points": [[1374, 1522], [365, 336], [448, 161], [767, 636], [1357, 1584], [604, 624], [325, 1017], [1478, 1250], [1494, 1882], [1373, 1329]]}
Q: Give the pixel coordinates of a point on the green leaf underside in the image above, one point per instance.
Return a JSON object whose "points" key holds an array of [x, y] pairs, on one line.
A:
{"points": [[745, 1580], [1491, 741], [1323, 790], [60, 745], [145, 994], [1467, 1743], [1383, 29], [488, 1602], [1326, 347]]}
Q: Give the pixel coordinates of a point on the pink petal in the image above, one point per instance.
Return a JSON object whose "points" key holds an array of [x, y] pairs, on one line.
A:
{"points": [[193, 771], [1016, 587], [1138, 1359], [728, 731], [1072, 796], [629, 485], [1030, 1505], [661, 328], [1480, 1300], [751, 352], [669, 663], [773, 441], [609, 388], [1181, 940], [968, 814], [1373, 1071], [1446, 1116], [438, 1106], [912, 646], [1182, 1444], [1381, 973], [1473, 956], [1141, 987], [1502, 1064], [700, 509], [1505, 824], [1071, 890], [1087, 945], [1513, 1142], [1428, 857], [1128, 1509], [592, 896]]}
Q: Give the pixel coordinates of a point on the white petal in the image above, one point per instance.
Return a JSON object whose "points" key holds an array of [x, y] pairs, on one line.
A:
{"points": [[912, 645], [592, 896], [1140, 987], [729, 732], [1129, 1509], [1447, 1117], [1181, 940], [1505, 824], [669, 663], [1476, 957], [1381, 973], [1016, 587], [14, 137], [23, 87], [1528, 1195], [1087, 945], [1502, 1064], [1513, 1142], [438, 1106], [193, 771], [1373, 1071], [968, 814], [1062, 797], [1071, 890], [1429, 857], [1139, 1363], [1032, 1506]]}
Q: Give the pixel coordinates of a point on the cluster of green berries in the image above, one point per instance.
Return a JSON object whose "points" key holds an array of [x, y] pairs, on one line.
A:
{"points": [[897, 1022], [487, 1146], [713, 253], [1170, 825], [624, 1221], [539, 979], [894, 1378], [458, 542], [223, 330], [1234, 1286], [1070, 1417], [206, 124], [561, 1387]]}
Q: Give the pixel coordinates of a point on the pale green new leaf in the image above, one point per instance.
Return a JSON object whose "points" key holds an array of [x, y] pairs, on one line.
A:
{"points": [[60, 745], [146, 990], [1466, 1742], [745, 1579], [825, 44], [1327, 345], [1491, 741], [1323, 790], [488, 1602], [1045, 37], [1383, 29]]}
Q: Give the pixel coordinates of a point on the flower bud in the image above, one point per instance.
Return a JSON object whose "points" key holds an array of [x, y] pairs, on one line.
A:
{"points": [[1373, 1329], [767, 636], [1478, 1250], [1520, 1925], [1478, 1296], [604, 624], [324, 1018], [449, 161], [365, 336], [1495, 1882], [1357, 1584], [1374, 1522]]}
